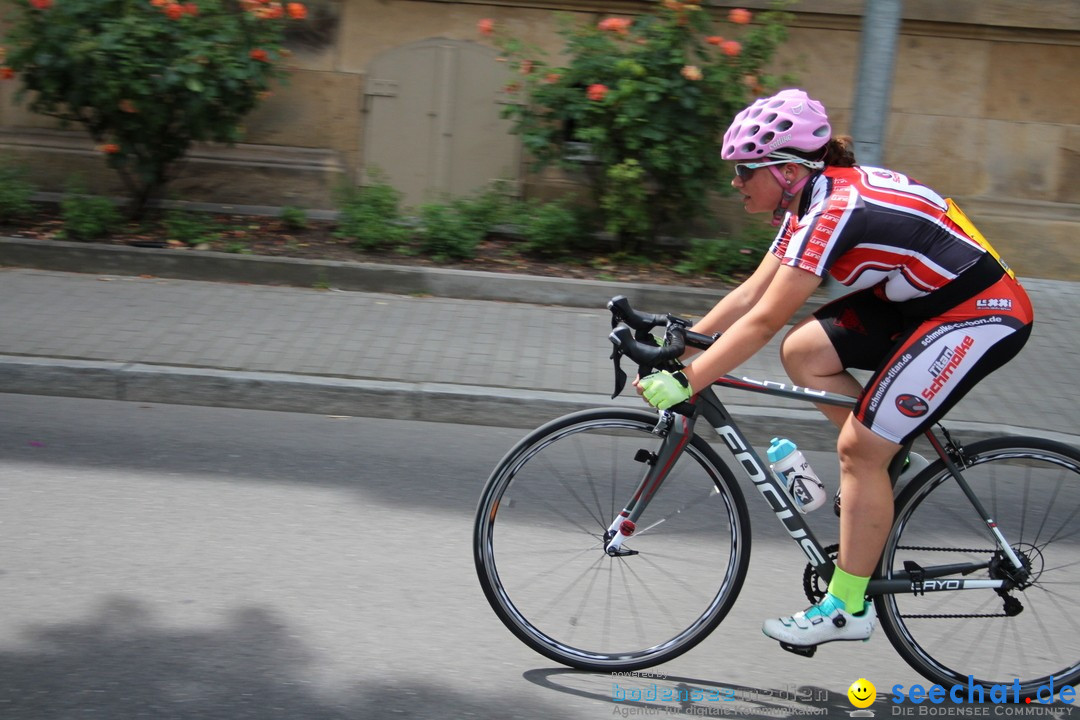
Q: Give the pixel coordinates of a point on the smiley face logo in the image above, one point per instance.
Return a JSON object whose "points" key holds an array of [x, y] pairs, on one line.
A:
{"points": [[862, 693]]}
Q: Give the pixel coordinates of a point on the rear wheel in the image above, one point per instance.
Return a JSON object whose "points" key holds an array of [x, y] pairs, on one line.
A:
{"points": [[539, 551], [1029, 632]]}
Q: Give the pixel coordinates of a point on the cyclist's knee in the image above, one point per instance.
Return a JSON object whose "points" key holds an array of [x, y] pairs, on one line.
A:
{"points": [[806, 352], [862, 451]]}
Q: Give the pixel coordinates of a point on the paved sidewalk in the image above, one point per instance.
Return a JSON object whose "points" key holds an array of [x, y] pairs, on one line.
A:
{"points": [[152, 339]]}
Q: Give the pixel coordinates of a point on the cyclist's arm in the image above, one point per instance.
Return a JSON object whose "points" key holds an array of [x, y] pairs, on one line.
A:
{"points": [[789, 289], [739, 301]]}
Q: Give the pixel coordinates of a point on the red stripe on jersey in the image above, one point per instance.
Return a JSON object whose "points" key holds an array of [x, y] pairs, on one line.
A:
{"points": [[818, 237], [915, 269]]}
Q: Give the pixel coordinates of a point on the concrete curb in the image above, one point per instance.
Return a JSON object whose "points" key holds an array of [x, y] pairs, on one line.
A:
{"points": [[426, 402], [77, 257]]}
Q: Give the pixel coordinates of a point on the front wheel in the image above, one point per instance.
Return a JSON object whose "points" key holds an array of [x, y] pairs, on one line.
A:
{"points": [[538, 543], [1029, 632]]}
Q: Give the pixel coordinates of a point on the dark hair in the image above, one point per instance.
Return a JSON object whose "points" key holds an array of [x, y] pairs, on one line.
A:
{"points": [[838, 152]]}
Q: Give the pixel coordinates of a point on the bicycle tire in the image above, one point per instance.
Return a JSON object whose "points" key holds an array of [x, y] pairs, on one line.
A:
{"points": [[1031, 488], [539, 552]]}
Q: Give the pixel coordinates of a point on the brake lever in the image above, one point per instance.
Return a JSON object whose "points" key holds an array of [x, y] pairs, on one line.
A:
{"points": [[620, 374]]}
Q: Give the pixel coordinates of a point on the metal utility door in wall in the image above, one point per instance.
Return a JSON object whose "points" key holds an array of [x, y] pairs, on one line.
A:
{"points": [[433, 122]]}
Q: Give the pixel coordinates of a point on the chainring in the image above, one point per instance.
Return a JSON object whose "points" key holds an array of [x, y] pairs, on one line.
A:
{"points": [[814, 585]]}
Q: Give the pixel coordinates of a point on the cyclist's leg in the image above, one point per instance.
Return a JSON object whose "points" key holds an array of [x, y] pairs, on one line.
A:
{"points": [[811, 361], [854, 331], [933, 364], [868, 498], [844, 613]]}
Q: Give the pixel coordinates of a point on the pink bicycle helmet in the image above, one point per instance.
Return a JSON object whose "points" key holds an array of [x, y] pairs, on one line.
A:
{"points": [[790, 120]]}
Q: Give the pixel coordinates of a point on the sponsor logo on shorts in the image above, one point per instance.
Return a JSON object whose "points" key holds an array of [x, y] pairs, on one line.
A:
{"points": [[912, 405], [942, 361], [994, 304], [945, 365]]}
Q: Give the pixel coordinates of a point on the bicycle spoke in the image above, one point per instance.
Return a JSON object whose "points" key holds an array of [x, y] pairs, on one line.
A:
{"points": [[573, 493], [546, 504]]}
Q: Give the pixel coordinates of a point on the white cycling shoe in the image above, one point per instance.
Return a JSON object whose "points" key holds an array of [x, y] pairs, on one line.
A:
{"points": [[825, 622]]}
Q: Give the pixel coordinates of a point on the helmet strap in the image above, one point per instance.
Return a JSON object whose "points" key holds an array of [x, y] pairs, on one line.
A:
{"points": [[789, 189]]}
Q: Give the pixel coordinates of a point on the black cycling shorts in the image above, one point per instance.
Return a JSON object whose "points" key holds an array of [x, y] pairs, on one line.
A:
{"points": [[924, 364]]}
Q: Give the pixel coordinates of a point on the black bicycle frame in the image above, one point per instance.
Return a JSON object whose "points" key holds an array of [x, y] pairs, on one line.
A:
{"points": [[677, 428]]}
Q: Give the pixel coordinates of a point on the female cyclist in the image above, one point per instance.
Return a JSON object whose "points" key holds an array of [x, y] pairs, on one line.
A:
{"points": [[932, 310]]}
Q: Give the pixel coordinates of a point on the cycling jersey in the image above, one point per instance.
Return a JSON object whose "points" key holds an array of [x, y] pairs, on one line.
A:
{"points": [[868, 226], [934, 309]]}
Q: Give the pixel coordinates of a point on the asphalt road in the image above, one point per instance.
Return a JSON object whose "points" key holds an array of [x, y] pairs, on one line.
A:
{"points": [[185, 562]]}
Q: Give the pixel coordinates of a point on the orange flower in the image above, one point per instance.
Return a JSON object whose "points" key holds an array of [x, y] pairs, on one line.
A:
{"points": [[673, 4], [486, 27], [6, 73], [739, 16], [128, 106], [596, 92], [551, 78], [297, 11], [159, 3], [616, 25], [109, 148], [714, 40], [191, 9], [273, 12], [174, 11], [526, 67], [41, 4], [691, 72], [731, 47], [259, 54]]}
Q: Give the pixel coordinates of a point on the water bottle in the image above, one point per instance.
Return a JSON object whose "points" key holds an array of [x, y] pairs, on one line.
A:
{"points": [[789, 464]]}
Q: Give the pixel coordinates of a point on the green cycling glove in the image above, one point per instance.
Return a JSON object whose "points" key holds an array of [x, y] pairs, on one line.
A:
{"points": [[663, 389]]}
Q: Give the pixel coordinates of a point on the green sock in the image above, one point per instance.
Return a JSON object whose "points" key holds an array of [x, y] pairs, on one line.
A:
{"points": [[849, 589]]}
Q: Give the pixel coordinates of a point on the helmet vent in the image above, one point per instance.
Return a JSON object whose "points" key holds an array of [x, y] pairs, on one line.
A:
{"points": [[789, 119]]}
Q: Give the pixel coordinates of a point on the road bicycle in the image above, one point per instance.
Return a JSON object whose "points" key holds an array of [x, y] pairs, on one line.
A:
{"points": [[617, 539]]}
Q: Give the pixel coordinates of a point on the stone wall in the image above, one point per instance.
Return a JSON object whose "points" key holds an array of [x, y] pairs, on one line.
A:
{"points": [[984, 107]]}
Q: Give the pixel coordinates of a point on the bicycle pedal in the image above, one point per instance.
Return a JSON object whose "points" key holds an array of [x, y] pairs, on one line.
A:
{"points": [[806, 651]]}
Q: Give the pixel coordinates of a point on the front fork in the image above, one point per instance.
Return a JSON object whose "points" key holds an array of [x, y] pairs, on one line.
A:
{"points": [[676, 430]]}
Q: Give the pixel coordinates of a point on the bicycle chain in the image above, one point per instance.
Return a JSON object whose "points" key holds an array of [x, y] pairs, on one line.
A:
{"points": [[945, 549], [949, 616]]}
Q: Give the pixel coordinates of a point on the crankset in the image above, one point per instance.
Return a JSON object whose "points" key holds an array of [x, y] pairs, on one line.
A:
{"points": [[814, 585]]}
